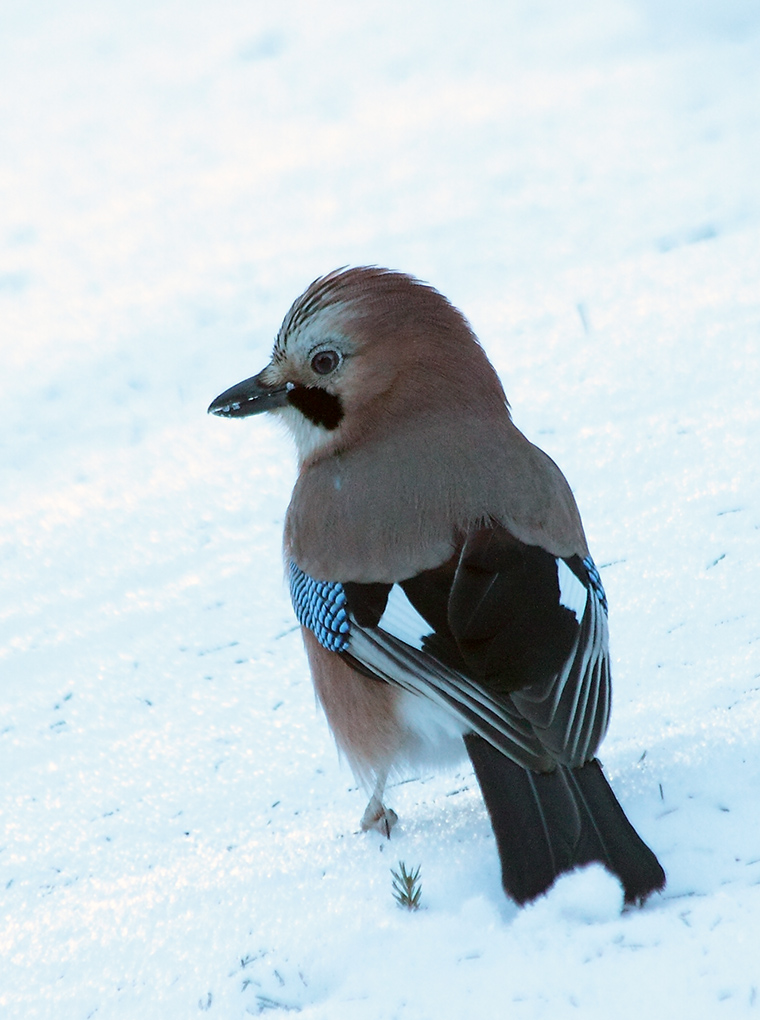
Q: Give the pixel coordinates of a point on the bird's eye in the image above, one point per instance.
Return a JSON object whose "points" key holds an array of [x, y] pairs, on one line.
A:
{"points": [[325, 362]]}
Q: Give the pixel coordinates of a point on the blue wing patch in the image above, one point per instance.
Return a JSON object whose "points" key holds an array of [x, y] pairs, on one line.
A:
{"points": [[596, 582], [320, 606]]}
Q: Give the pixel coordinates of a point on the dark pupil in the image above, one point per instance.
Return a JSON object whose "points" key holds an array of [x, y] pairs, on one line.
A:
{"points": [[324, 362]]}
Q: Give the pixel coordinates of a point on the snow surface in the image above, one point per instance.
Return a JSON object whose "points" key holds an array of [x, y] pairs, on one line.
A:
{"points": [[177, 836]]}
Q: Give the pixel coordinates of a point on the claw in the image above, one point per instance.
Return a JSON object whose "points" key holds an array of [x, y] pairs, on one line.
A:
{"points": [[378, 816]]}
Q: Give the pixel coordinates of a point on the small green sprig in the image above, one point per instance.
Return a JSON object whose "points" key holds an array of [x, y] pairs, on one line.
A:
{"points": [[407, 887]]}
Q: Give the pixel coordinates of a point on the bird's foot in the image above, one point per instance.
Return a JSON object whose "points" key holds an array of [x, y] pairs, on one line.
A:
{"points": [[378, 816]]}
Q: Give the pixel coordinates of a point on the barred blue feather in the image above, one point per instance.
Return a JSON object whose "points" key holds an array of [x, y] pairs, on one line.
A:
{"points": [[320, 606], [596, 582]]}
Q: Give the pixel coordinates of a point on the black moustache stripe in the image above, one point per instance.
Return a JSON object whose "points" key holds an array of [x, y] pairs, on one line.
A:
{"points": [[319, 406]]}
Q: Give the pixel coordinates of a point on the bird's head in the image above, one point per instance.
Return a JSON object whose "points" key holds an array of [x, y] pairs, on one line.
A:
{"points": [[361, 350]]}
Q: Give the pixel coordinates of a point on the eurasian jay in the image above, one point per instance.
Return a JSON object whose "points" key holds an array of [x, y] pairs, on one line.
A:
{"points": [[441, 576]]}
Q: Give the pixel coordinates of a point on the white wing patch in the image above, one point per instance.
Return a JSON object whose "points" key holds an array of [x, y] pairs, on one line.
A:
{"points": [[403, 621], [573, 594]]}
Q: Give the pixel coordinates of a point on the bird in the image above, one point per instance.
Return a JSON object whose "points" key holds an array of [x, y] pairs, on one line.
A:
{"points": [[439, 570]]}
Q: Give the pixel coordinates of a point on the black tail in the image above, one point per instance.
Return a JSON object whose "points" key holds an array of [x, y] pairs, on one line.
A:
{"points": [[549, 823]]}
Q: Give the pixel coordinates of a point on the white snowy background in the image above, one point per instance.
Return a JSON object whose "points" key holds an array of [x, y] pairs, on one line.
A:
{"points": [[177, 835]]}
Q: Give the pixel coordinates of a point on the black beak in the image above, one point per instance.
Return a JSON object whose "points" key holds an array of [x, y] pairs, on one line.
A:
{"points": [[249, 397]]}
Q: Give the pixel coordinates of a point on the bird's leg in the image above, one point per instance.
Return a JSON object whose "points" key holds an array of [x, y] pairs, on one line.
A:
{"points": [[377, 815]]}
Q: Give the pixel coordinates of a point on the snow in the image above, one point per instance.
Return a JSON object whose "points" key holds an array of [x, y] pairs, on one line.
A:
{"points": [[177, 835]]}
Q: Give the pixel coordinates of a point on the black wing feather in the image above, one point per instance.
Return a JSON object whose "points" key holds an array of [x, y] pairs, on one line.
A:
{"points": [[493, 637], [503, 651], [505, 612]]}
